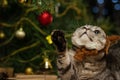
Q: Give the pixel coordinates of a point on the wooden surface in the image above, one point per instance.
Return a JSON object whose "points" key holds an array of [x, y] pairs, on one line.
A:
{"points": [[34, 77], [7, 70]]}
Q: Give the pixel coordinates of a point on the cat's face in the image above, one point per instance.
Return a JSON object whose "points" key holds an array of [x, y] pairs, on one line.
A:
{"points": [[91, 37]]}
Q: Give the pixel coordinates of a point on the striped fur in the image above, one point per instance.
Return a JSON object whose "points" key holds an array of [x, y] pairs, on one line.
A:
{"points": [[97, 67], [70, 69]]}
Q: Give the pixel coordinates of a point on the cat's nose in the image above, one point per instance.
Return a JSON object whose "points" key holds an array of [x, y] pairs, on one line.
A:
{"points": [[87, 28]]}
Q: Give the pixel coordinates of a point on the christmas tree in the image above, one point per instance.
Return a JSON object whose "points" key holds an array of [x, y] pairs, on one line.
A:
{"points": [[26, 26]]}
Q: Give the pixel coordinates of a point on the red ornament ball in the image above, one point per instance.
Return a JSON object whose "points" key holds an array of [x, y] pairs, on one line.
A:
{"points": [[45, 18]]}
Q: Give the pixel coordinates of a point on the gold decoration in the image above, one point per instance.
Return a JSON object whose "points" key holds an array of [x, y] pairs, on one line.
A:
{"points": [[70, 6], [48, 38], [21, 1], [39, 2], [2, 35], [74, 7], [25, 1], [29, 71], [47, 63], [20, 33], [20, 50], [4, 3]]}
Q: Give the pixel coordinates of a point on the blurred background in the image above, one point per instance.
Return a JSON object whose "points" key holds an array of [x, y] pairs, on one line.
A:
{"points": [[26, 25]]}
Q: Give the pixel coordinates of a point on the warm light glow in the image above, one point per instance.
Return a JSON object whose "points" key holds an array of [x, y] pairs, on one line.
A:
{"points": [[46, 64]]}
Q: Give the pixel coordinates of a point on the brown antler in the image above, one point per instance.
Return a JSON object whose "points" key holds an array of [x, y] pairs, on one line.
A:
{"points": [[83, 52]]}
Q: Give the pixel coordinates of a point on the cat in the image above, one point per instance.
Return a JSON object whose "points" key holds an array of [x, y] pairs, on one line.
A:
{"points": [[93, 56]]}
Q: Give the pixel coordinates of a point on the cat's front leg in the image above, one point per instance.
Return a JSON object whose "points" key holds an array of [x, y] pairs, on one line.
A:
{"points": [[59, 41], [63, 59]]}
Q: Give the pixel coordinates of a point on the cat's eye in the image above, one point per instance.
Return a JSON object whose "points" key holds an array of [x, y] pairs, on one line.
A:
{"points": [[96, 31]]}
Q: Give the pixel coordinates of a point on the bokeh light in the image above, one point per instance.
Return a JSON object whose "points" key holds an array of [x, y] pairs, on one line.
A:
{"points": [[104, 11], [95, 9], [117, 6], [114, 1], [100, 1]]}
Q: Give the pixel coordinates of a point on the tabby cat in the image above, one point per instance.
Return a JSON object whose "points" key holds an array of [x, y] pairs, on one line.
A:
{"points": [[88, 59]]}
